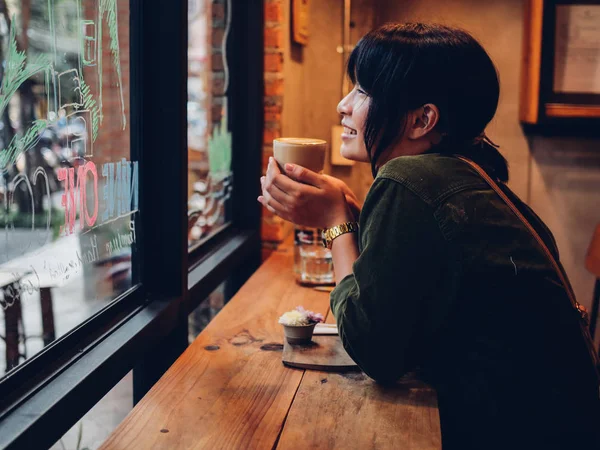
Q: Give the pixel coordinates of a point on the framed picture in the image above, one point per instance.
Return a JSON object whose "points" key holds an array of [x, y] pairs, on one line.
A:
{"points": [[300, 21], [561, 62]]}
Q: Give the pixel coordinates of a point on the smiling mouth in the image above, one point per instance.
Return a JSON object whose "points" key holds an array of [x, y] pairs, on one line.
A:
{"points": [[349, 131]]}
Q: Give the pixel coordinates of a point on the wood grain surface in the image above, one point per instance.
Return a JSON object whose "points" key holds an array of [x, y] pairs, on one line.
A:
{"points": [[323, 353], [351, 411], [230, 390]]}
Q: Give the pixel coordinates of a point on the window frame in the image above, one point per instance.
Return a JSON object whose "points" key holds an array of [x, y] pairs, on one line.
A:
{"points": [[221, 257], [46, 395]]}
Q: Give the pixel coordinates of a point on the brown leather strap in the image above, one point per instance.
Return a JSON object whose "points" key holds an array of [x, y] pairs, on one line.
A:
{"points": [[584, 322]]}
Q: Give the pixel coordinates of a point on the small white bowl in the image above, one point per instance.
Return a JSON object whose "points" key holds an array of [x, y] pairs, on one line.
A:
{"points": [[301, 334]]}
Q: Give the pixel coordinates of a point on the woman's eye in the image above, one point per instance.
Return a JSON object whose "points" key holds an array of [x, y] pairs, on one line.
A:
{"points": [[360, 91]]}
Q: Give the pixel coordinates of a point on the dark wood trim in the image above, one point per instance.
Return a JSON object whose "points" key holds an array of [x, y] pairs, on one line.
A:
{"points": [[564, 110], [540, 105], [532, 60]]}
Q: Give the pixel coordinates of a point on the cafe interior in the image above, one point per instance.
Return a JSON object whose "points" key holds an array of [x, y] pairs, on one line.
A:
{"points": [[145, 290]]}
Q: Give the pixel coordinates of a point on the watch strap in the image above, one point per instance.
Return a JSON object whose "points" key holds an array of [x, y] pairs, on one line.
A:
{"points": [[329, 234]]}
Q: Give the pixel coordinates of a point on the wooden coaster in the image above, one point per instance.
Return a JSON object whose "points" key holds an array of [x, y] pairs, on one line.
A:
{"points": [[323, 353]]}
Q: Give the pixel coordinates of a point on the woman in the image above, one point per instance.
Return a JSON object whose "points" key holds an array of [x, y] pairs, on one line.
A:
{"points": [[442, 277]]}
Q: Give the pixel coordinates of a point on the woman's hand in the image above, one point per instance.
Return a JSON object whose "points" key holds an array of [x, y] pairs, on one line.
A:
{"points": [[351, 198], [305, 197]]}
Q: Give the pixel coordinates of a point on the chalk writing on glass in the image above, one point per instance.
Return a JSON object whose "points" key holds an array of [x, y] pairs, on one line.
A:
{"points": [[62, 271], [109, 8], [18, 70], [121, 240], [15, 290], [11, 187], [74, 197], [120, 188]]}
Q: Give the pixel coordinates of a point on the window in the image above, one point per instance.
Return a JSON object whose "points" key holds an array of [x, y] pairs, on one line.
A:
{"points": [[69, 188], [210, 178], [126, 298], [97, 424], [206, 311]]}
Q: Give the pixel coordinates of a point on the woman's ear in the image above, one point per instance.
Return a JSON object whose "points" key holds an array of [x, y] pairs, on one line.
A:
{"points": [[422, 121]]}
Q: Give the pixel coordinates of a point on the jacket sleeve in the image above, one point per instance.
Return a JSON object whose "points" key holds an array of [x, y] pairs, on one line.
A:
{"points": [[389, 309]]}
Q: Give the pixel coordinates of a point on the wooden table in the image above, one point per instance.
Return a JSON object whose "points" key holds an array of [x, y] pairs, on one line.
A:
{"points": [[229, 389]]}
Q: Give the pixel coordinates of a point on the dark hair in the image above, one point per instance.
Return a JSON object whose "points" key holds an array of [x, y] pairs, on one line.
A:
{"points": [[404, 66]]}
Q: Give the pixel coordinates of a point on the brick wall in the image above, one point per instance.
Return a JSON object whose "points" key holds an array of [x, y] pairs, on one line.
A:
{"points": [[218, 18], [113, 142], [212, 72], [273, 229]]}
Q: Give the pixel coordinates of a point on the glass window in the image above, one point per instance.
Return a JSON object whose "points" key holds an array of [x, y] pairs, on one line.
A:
{"points": [[99, 422], [209, 139], [206, 311], [68, 185]]}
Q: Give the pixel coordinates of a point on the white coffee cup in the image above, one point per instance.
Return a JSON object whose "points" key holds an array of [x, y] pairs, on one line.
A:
{"points": [[305, 152]]}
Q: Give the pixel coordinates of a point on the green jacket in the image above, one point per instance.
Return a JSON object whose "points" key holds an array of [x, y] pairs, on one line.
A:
{"points": [[451, 284]]}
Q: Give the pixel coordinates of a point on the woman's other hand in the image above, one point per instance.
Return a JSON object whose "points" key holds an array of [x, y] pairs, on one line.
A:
{"points": [[305, 197]]}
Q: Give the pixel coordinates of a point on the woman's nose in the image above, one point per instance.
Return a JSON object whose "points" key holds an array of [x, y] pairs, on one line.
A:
{"points": [[344, 106]]}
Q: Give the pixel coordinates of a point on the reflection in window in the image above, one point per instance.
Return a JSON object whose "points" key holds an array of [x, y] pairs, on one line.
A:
{"points": [[99, 422], [199, 319], [209, 140], [68, 186]]}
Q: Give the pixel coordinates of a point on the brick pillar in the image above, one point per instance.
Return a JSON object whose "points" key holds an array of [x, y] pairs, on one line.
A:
{"points": [[113, 142], [217, 73], [273, 229], [212, 73]]}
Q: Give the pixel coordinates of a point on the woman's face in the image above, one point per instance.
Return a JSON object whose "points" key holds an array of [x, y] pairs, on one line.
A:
{"points": [[354, 108]]}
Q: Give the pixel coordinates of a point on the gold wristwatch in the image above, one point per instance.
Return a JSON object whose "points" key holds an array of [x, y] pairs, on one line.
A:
{"points": [[329, 234]]}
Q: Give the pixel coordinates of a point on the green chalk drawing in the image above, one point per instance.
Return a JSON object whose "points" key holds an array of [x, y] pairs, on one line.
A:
{"points": [[219, 149], [100, 71], [17, 70], [109, 7], [87, 42], [89, 103], [81, 55], [18, 145], [52, 29]]}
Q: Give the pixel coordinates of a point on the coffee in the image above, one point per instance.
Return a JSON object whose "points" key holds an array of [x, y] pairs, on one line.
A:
{"points": [[305, 152]]}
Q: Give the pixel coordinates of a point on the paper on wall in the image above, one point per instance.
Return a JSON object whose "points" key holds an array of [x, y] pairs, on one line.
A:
{"points": [[577, 49]]}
